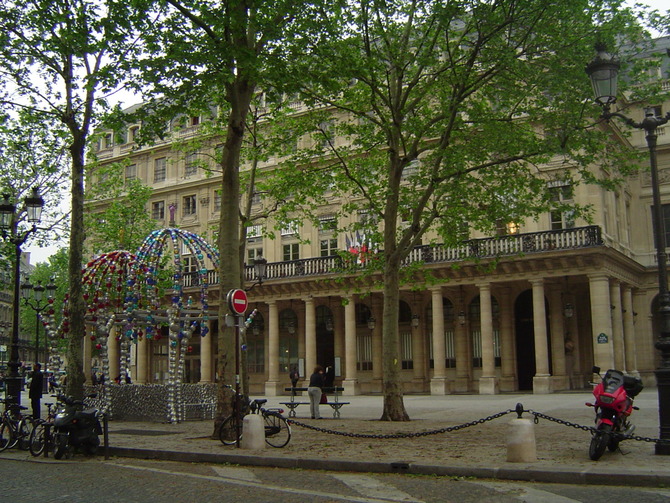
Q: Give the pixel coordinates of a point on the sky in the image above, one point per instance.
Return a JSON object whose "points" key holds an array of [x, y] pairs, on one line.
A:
{"points": [[42, 254]]}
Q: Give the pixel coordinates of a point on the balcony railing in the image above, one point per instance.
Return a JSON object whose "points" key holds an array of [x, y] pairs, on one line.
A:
{"points": [[496, 247]]}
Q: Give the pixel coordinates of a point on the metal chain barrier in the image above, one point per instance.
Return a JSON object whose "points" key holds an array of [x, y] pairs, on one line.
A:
{"points": [[519, 411], [402, 435], [592, 429]]}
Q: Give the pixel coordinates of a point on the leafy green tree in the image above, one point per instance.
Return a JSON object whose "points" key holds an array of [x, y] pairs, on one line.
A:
{"points": [[60, 62], [447, 110], [210, 53]]}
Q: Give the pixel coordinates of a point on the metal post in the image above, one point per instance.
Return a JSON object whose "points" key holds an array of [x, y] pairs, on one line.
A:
{"points": [[14, 378], [663, 342]]}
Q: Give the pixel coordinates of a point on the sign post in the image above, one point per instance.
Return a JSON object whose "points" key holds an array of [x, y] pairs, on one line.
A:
{"points": [[237, 303]]}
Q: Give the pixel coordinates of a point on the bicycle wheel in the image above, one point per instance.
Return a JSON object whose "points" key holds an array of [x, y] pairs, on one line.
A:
{"points": [[228, 431], [38, 439], [277, 430], [24, 429], [7, 436]]}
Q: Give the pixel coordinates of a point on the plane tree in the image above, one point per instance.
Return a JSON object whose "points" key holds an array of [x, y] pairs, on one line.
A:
{"points": [[435, 117], [61, 61]]}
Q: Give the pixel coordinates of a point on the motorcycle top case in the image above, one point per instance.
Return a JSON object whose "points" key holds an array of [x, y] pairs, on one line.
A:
{"points": [[632, 385]]}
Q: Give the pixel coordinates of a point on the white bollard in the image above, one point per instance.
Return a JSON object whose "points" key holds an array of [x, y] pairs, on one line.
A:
{"points": [[253, 432], [521, 441]]}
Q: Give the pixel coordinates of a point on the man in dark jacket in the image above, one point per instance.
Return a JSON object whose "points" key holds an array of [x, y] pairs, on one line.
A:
{"points": [[35, 391]]}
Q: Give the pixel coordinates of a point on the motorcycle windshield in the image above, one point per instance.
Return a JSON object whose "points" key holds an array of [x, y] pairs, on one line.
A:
{"points": [[613, 380]]}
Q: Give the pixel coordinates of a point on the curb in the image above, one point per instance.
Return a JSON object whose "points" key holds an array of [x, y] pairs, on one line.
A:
{"points": [[558, 475]]}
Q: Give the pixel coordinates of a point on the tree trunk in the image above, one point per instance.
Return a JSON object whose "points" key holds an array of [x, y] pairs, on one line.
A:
{"points": [[76, 304], [394, 407], [230, 272]]}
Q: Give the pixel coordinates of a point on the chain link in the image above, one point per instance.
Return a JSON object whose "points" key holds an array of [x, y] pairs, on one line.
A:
{"points": [[402, 435], [536, 415], [592, 429]]}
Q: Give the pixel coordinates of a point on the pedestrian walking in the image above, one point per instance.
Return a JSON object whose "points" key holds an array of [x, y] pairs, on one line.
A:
{"points": [[294, 376], [35, 391]]}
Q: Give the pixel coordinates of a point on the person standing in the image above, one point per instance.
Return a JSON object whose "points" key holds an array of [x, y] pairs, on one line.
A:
{"points": [[35, 391], [314, 391], [294, 376]]}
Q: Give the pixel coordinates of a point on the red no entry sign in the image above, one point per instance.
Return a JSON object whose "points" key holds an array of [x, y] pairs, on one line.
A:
{"points": [[237, 301]]}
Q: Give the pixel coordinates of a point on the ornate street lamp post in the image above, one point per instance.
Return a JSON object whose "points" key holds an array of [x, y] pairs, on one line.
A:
{"points": [[603, 71], [32, 297], [10, 232]]}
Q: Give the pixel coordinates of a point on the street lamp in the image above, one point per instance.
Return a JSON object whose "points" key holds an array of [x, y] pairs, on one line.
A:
{"points": [[10, 232], [260, 271], [603, 71], [32, 297]]}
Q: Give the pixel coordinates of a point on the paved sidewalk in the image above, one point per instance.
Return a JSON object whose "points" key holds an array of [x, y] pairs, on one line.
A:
{"points": [[478, 451]]}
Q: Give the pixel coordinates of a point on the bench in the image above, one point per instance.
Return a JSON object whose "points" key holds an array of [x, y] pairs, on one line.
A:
{"points": [[335, 404]]}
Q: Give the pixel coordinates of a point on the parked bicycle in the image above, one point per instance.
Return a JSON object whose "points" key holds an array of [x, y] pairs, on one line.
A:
{"points": [[277, 429], [42, 437], [15, 428]]}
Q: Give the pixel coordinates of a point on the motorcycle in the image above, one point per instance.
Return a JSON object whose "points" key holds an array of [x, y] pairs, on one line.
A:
{"points": [[75, 428], [614, 396]]}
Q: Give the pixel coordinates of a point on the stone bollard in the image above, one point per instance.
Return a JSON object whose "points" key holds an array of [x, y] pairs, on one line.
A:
{"points": [[253, 432], [521, 440]]}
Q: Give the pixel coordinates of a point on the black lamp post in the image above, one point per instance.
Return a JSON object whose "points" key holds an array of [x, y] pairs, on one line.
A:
{"points": [[603, 71], [9, 229], [32, 297]]}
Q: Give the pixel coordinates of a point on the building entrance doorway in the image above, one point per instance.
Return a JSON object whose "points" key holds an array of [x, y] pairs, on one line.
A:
{"points": [[325, 340]]}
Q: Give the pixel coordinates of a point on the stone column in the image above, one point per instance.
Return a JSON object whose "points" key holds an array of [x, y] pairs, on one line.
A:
{"points": [[310, 334], [206, 368], [601, 321], [142, 363], [559, 379], [113, 354], [463, 356], [617, 324], [272, 387], [488, 382], [629, 332], [542, 379], [438, 384], [350, 382], [507, 360]]}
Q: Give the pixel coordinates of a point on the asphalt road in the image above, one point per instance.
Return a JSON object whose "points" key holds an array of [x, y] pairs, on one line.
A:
{"points": [[129, 481]]}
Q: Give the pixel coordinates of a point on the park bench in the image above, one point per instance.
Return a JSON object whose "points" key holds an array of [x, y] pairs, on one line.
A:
{"points": [[331, 392]]}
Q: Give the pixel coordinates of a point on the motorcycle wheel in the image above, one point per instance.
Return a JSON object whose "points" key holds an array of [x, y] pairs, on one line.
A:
{"points": [[60, 445], [599, 442], [613, 444]]}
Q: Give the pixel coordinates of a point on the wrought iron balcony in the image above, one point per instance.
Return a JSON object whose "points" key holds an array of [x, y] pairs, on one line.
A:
{"points": [[472, 249]]}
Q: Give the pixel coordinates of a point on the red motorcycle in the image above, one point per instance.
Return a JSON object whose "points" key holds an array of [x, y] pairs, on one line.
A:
{"points": [[614, 404]]}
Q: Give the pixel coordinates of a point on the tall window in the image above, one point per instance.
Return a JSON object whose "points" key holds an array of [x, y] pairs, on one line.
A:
{"points": [[131, 172], [561, 194], [328, 247], [158, 210], [160, 169], [406, 358], [217, 201], [288, 340], [253, 253], [256, 345], [291, 251], [363, 338], [189, 205], [665, 208], [191, 166]]}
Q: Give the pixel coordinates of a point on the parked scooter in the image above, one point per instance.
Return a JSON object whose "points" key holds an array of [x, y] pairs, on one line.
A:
{"points": [[75, 428], [614, 404]]}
